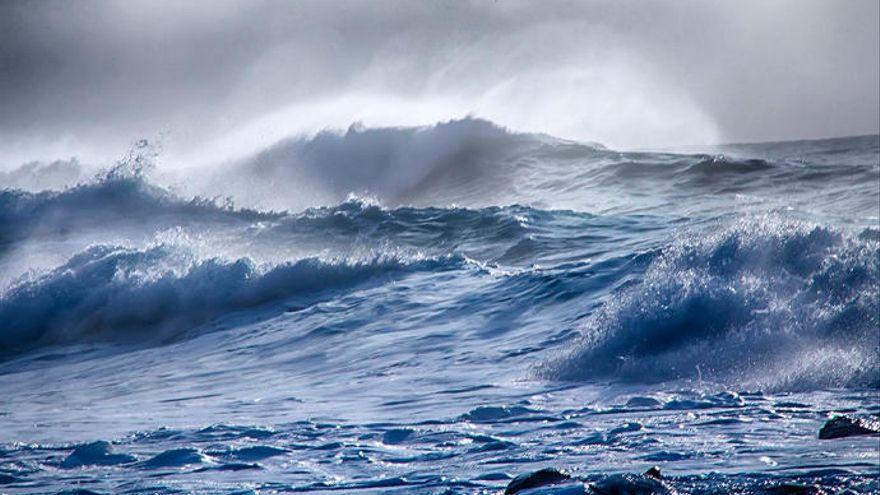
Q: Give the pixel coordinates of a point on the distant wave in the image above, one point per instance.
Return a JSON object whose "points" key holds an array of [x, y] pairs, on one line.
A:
{"points": [[663, 172], [43, 176], [468, 162], [107, 200], [476, 163], [444, 163], [394, 162], [685, 167], [122, 294], [766, 302]]}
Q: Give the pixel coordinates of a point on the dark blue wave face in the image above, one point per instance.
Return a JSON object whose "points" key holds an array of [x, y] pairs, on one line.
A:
{"points": [[485, 304]]}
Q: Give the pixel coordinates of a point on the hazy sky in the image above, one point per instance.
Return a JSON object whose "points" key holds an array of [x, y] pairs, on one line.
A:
{"points": [[221, 77]]}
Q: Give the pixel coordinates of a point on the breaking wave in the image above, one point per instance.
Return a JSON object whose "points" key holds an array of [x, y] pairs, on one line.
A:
{"points": [[766, 302], [398, 165], [124, 294], [108, 200]]}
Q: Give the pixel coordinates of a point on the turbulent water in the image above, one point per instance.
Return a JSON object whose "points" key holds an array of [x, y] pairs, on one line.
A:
{"points": [[437, 310]]}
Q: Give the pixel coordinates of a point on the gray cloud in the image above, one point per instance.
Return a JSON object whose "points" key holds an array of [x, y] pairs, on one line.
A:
{"points": [[86, 77]]}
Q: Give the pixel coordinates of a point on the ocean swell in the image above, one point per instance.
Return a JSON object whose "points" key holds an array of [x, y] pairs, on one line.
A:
{"points": [[765, 302], [467, 161], [126, 200], [123, 294]]}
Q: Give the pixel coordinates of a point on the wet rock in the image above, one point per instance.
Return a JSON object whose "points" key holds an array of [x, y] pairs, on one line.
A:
{"points": [[543, 477], [844, 426], [631, 484], [654, 472], [97, 453]]}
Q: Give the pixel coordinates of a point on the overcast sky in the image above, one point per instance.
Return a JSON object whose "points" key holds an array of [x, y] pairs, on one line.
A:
{"points": [[218, 77]]}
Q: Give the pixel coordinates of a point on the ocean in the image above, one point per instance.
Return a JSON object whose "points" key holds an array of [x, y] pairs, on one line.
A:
{"points": [[437, 310]]}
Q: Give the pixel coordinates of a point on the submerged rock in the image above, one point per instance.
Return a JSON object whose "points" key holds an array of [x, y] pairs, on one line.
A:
{"points": [[632, 484], [543, 477], [97, 453], [844, 426]]}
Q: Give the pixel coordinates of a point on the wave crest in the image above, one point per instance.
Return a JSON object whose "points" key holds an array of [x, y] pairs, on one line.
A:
{"points": [[766, 303], [455, 161], [114, 198], [115, 293]]}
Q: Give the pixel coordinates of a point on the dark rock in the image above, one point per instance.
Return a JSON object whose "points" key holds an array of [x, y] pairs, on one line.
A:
{"points": [[654, 472], [95, 454], [631, 484], [844, 426], [543, 477]]}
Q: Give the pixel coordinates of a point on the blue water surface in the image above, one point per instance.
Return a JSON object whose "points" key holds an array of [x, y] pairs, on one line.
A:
{"points": [[463, 305]]}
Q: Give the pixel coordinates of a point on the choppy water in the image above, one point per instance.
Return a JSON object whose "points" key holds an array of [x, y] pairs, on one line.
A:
{"points": [[438, 310]]}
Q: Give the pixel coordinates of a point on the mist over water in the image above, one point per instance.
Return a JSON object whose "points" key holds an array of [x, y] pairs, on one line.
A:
{"points": [[229, 79]]}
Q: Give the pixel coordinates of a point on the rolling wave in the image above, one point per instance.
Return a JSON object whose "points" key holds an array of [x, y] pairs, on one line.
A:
{"points": [[766, 302], [398, 165], [123, 294], [509, 234], [105, 202]]}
